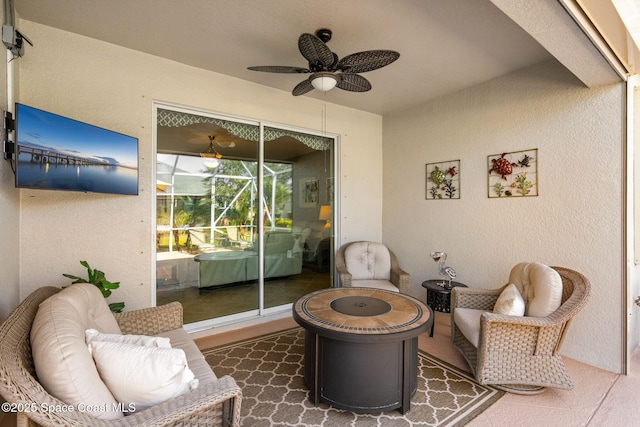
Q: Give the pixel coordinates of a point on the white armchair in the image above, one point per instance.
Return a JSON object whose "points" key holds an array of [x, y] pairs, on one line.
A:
{"points": [[371, 265]]}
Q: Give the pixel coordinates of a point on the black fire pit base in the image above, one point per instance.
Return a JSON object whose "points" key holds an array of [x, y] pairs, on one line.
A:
{"points": [[361, 347]]}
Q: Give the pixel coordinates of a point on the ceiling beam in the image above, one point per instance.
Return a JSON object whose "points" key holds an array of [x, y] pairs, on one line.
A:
{"points": [[551, 25]]}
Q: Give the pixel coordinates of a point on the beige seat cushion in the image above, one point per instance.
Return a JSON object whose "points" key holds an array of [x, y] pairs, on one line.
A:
{"points": [[63, 363], [468, 321], [540, 287], [378, 284], [368, 260]]}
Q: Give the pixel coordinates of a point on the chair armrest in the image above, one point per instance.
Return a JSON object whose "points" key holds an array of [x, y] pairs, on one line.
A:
{"points": [[479, 299], [401, 279], [520, 334], [189, 409], [493, 320], [341, 268], [151, 321], [345, 277], [193, 407]]}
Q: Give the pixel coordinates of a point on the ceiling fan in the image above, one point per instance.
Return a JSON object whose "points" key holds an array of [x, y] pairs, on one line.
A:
{"points": [[327, 70], [211, 153]]}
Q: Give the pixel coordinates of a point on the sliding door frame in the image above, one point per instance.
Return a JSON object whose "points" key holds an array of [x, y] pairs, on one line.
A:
{"points": [[261, 124]]}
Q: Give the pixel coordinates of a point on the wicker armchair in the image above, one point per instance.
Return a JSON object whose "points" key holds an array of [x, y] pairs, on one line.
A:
{"points": [[520, 354], [395, 279], [215, 404]]}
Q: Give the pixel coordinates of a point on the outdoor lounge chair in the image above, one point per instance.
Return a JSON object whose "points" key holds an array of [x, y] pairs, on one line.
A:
{"points": [[517, 353]]}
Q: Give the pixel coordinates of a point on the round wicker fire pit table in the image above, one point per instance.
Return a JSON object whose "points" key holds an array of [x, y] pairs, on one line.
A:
{"points": [[361, 347]]}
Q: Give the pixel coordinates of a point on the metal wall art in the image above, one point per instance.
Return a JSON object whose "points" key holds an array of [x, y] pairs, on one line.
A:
{"points": [[442, 180], [513, 174]]}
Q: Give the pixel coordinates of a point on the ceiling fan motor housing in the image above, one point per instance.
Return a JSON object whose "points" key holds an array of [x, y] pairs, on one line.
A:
{"points": [[324, 34]]}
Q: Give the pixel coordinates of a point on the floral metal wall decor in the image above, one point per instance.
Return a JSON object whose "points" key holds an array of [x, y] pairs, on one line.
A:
{"points": [[443, 180], [513, 174]]}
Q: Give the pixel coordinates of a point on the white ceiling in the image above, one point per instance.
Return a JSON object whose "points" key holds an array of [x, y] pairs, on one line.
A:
{"points": [[444, 45]]}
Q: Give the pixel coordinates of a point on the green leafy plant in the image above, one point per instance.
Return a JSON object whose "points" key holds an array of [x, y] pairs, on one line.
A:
{"points": [[97, 278]]}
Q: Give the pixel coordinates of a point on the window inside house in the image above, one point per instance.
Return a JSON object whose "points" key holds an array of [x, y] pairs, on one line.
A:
{"points": [[243, 215]]}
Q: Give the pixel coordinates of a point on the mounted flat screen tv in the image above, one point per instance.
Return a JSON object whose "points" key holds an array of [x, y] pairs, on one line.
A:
{"points": [[58, 153]]}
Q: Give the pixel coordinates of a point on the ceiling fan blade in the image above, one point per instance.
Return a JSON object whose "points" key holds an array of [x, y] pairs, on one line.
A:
{"points": [[279, 69], [369, 60], [353, 83], [302, 88], [315, 51]]}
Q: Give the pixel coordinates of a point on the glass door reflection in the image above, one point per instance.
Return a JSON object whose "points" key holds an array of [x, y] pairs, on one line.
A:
{"points": [[238, 233], [298, 177]]}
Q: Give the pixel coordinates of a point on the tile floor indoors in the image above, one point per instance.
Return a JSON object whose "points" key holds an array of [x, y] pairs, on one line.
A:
{"points": [[217, 301], [599, 399]]}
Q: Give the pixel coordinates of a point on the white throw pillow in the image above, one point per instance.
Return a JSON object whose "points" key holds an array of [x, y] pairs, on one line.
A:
{"points": [[510, 302], [140, 377], [143, 340]]}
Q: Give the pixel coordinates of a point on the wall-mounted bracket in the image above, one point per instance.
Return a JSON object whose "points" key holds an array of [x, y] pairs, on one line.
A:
{"points": [[13, 40], [8, 126]]}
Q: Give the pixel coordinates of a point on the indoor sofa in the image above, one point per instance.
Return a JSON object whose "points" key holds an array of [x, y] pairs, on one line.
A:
{"points": [[282, 255], [283, 252], [43, 350]]}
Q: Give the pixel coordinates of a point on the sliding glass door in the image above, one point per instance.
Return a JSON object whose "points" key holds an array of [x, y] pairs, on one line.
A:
{"points": [[298, 187], [244, 215]]}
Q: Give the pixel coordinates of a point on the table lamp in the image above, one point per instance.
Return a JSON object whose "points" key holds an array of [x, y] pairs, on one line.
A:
{"points": [[325, 215]]}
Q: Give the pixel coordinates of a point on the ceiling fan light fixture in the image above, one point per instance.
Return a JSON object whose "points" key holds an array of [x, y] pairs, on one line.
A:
{"points": [[211, 153], [211, 163], [323, 81]]}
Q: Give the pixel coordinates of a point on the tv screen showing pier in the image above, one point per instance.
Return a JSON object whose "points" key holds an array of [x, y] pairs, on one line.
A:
{"points": [[58, 153]]}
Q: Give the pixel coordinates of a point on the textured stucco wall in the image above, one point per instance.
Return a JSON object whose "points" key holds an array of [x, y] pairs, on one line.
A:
{"points": [[9, 214], [112, 87], [575, 222]]}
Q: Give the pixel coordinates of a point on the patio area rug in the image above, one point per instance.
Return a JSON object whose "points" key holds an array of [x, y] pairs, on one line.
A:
{"points": [[269, 370]]}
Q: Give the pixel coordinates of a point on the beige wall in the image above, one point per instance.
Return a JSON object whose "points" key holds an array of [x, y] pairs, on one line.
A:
{"points": [[575, 222], [9, 216], [112, 87]]}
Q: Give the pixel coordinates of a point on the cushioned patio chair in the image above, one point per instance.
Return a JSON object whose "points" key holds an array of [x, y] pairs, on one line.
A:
{"points": [[372, 265], [199, 241], [234, 237], [518, 353], [214, 404]]}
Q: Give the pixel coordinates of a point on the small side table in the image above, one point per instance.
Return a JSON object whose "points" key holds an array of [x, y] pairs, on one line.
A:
{"points": [[439, 297]]}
